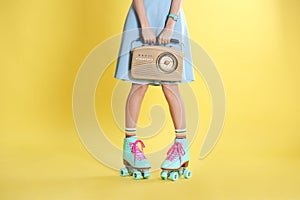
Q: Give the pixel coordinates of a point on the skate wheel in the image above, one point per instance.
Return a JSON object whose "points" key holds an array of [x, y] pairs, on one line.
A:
{"points": [[187, 174], [164, 175], [137, 175], [174, 176], [124, 171], [146, 175]]}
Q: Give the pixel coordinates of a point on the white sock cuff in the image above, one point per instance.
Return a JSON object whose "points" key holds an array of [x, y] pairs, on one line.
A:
{"points": [[180, 130], [130, 130]]}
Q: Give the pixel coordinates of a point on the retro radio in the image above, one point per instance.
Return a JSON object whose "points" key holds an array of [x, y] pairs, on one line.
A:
{"points": [[154, 62]]}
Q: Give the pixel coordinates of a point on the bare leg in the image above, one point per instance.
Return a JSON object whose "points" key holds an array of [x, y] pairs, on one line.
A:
{"points": [[136, 163], [133, 104], [176, 105]]}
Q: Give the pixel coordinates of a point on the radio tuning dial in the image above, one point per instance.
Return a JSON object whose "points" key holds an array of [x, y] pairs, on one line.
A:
{"points": [[167, 62]]}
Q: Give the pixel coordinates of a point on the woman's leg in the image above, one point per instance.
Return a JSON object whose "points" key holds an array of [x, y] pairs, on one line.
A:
{"points": [[133, 106], [178, 155], [133, 157], [176, 107]]}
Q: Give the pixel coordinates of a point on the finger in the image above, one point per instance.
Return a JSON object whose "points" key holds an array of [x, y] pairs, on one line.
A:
{"points": [[153, 41], [159, 40], [150, 40], [145, 40]]}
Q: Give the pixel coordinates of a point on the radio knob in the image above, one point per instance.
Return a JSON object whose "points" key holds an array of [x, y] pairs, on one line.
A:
{"points": [[167, 62]]}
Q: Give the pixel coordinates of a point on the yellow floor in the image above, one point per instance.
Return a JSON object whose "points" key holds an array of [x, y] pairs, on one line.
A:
{"points": [[60, 168]]}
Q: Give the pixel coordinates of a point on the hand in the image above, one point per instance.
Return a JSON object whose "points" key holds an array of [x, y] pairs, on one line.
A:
{"points": [[148, 36], [165, 36]]}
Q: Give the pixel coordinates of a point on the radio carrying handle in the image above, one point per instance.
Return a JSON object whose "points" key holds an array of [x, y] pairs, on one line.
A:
{"points": [[173, 40]]}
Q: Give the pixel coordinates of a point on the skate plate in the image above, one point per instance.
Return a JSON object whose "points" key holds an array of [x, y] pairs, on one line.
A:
{"points": [[136, 173], [174, 174]]}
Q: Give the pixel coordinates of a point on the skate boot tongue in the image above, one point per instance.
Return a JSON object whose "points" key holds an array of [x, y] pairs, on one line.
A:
{"points": [[175, 151], [138, 154]]}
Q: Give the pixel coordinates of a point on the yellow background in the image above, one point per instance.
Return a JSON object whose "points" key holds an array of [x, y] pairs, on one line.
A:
{"points": [[255, 45]]}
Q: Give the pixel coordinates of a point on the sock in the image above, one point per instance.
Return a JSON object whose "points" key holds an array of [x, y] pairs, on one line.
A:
{"points": [[180, 133], [129, 132]]}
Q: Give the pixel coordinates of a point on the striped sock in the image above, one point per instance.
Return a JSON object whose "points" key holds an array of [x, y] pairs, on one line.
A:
{"points": [[129, 132], [180, 133]]}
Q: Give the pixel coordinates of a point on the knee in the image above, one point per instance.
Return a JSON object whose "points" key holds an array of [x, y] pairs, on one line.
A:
{"points": [[138, 89], [170, 90]]}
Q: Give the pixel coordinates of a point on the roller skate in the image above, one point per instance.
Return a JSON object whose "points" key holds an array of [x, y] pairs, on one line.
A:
{"points": [[177, 161], [136, 164]]}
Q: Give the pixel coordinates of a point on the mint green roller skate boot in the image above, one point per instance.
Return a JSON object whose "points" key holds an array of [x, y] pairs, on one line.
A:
{"points": [[177, 161], [136, 164]]}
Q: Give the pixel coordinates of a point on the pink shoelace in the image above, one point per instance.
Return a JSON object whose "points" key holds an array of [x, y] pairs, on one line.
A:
{"points": [[138, 154], [175, 151]]}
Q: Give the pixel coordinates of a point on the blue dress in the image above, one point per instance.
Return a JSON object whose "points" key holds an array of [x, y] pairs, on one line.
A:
{"points": [[157, 12]]}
